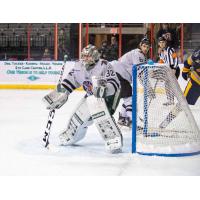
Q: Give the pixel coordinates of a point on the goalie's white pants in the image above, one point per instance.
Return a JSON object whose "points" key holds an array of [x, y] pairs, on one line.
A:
{"points": [[84, 117], [126, 110]]}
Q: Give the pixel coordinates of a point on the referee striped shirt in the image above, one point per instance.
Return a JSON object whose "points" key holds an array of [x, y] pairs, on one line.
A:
{"points": [[169, 56]]}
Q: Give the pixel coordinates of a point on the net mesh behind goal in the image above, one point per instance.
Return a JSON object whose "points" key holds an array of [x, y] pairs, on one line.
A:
{"points": [[163, 123]]}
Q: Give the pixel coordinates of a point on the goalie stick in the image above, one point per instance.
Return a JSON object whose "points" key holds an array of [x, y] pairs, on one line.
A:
{"points": [[52, 112]]}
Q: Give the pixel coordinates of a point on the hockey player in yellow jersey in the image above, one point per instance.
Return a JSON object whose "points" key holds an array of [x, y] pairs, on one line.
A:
{"points": [[191, 71]]}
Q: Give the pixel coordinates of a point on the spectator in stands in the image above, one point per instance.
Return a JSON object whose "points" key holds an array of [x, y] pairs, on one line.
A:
{"points": [[113, 49], [62, 52], [46, 55], [2, 32], [104, 50], [4, 56], [61, 38], [13, 59], [169, 34], [13, 32], [29, 59]]}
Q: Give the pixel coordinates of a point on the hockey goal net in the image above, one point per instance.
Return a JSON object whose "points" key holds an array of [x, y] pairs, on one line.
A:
{"points": [[163, 123]]}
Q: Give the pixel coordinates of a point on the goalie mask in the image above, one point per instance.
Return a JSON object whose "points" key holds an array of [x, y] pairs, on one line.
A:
{"points": [[89, 56]]}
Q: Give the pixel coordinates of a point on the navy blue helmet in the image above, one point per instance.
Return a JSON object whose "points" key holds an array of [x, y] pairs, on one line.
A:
{"points": [[161, 39], [145, 41], [196, 56]]}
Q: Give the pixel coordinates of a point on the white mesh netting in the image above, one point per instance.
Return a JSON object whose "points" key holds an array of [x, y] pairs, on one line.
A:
{"points": [[164, 121]]}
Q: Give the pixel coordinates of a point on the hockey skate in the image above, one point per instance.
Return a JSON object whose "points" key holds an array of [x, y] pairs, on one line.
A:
{"points": [[124, 121], [128, 122], [121, 120]]}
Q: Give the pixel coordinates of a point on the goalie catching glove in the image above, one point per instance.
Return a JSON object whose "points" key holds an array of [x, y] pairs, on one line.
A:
{"points": [[56, 98], [99, 87]]}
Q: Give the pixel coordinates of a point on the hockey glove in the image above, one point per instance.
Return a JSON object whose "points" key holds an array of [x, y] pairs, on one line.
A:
{"points": [[99, 92], [56, 98], [99, 86], [185, 75]]}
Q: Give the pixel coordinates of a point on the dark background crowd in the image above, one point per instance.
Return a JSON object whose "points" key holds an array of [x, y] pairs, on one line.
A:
{"points": [[16, 37]]}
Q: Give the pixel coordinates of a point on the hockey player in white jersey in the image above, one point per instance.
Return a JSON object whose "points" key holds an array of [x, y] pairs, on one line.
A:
{"points": [[125, 78], [133, 57], [102, 88]]}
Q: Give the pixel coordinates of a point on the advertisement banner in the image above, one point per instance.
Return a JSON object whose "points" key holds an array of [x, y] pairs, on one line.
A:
{"points": [[31, 73]]}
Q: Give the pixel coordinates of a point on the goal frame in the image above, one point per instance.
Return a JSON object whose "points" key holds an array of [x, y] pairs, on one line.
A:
{"points": [[134, 116]]}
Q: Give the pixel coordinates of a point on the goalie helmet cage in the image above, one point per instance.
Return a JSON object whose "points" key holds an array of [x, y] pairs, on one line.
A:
{"points": [[158, 128]]}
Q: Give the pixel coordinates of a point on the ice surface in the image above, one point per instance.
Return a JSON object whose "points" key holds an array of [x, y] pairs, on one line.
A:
{"points": [[22, 124]]}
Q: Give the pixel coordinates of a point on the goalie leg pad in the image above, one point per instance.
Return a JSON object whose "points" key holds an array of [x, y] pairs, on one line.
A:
{"points": [[77, 126], [74, 132], [114, 145], [105, 124]]}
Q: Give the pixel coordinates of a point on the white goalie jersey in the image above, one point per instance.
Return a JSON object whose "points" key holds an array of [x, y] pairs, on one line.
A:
{"points": [[79, 76]]}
